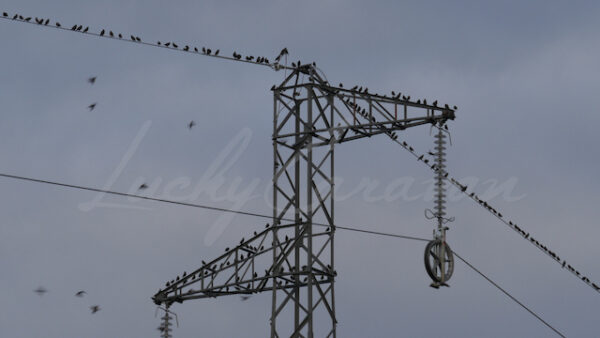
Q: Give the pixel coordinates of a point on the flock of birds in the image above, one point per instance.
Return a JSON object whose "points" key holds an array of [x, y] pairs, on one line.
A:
{"points": [[92, 81], [169, 44], [211, 269], [94, 308]]}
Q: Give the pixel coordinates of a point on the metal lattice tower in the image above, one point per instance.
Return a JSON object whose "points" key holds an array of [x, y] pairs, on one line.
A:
{"points": [[297, 257]]}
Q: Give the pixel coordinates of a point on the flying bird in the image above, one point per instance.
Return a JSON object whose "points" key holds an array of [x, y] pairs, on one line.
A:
{"points": [[80, 293], [245, 298], [92, 106], [92, 79], [142, 186], [40, 291], [94, 308], [191, 124]]}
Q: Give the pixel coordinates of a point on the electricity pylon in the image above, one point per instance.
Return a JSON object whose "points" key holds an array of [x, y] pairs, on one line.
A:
{"points": [[293, 257]]}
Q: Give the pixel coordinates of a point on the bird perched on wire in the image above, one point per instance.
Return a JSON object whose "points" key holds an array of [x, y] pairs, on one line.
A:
{"points": [[191, 124], [282, 53], [94, 308], [92, 106], [80, 293]]}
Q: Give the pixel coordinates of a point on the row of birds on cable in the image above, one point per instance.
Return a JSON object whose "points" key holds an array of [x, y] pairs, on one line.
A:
{"points": [[207, 269], [396, 96], [463, 188], [81, 293], [134, 38]]}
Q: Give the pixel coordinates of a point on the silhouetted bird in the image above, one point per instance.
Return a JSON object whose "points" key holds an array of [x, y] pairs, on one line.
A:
{"points": [[420, 157], [86, 29], [112, 35], [79, 27], [217, 53], [102, 33], [92, 106], [167, 44], [435, 103], [174, 45], [40, 291], [28, 19], [74, 27], [58, 24], [132, 38], [47, 22], [191, 124], [142, 186], [4, 14], [196, 49], [245, 298], [120, 36], [94, 308], [80, 293], [186, 48], [92, 80]]}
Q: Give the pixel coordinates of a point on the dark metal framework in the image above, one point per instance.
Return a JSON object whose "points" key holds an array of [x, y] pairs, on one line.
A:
{"points": [[292, 258]]}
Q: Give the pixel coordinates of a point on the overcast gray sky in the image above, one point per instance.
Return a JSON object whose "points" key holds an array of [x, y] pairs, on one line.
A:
{"points": [[523, 74]]}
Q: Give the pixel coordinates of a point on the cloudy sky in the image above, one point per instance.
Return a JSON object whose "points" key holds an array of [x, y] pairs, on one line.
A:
{"points": [[523, 74]]}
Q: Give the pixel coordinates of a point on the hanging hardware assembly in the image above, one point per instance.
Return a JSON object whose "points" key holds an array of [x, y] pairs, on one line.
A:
{"points": [[439, 261]]}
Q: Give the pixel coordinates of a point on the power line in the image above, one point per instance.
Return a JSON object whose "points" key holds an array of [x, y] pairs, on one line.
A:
{"points": [[487, 206], [500, 216], [47, 23], [200, 206], [507, 294], [377, 233]]}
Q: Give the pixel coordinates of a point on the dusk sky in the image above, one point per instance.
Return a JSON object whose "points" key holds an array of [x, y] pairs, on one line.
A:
{"points": [[524, 76]]}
